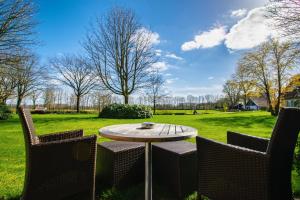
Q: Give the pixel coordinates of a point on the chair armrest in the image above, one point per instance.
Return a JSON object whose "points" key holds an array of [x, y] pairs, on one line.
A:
{"points": [[231, 172], [247, 141], [61, 136], [70, 164]]}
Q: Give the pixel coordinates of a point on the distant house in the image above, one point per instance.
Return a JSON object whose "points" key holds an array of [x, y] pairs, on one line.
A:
{"points": [[257, 103], [292, 98]]}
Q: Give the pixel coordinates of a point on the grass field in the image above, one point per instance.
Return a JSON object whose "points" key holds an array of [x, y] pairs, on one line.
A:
{"points": [[211, 124]]}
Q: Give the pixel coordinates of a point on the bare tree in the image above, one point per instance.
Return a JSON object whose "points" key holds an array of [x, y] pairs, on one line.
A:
{"points": [[101, 99], [7, 84], [76, 73], [49, 96], [121, 52], [154, 90], [34, 97], [232, 90], [29, 76], [286, 16], [16, 27]]}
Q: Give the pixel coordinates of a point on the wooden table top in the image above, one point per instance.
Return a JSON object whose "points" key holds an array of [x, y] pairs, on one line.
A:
{"points": [[160, 132]]}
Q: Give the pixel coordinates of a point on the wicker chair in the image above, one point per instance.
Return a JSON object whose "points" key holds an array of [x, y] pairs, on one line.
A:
{"points": [[120, 164], [58, 166], [174, 167], [250, 168]]}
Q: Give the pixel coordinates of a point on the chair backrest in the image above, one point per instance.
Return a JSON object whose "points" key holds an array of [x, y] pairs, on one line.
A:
{"points": [[28, 127], [281, 151]]}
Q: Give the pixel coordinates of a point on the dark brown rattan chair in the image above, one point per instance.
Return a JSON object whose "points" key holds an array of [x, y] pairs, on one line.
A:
{"points": [[120, 164], [175, 166], [250, 168], [58, 166]]}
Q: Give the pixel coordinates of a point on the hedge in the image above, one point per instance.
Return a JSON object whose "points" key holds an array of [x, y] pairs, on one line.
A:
{"points": [[5, 112], [125, 111]]}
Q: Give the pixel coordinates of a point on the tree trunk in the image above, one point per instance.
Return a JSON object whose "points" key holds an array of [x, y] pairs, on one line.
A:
{"points": [[245, 101], [126, 97], [3, 101], [277, 106], [78, 103], [19, 101], [34, 104], [270, 103], [154, 106]]}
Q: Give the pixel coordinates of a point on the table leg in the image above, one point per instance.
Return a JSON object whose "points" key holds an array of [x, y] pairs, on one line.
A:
{"points": [[148, 171]]}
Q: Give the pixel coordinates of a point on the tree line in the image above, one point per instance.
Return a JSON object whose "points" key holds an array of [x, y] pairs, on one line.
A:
{"points": [[264, 71], [268, 69]]}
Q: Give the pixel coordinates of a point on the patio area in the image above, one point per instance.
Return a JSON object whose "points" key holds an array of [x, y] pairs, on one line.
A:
{"points": [[121, 165]]}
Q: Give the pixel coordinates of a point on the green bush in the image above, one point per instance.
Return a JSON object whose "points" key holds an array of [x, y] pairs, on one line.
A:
{"points": [[297, 157], [5, 112], [125, 111]]}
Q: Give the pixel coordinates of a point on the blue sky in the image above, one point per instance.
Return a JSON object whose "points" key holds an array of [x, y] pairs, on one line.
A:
{"points": [[199, 42]]}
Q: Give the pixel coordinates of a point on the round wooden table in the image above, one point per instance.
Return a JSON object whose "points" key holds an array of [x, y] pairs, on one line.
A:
{"points": [[159, 133]]}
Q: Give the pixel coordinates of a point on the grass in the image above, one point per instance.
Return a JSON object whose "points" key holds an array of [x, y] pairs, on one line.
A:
{"points": [[212, 125]]}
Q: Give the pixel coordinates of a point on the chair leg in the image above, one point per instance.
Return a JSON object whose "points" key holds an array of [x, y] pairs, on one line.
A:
{"points": [[200, 197]]}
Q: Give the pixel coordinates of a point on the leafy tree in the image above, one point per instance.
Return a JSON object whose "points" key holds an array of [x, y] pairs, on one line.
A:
{"points": [[283, 57], [232, 90], [245, 82], [294, 83], [269, 67], [258, 69]]}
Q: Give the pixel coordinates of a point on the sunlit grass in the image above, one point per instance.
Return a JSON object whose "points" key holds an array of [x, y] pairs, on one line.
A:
{"points": [[210, 124]]}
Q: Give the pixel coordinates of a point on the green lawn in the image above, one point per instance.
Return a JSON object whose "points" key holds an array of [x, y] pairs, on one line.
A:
{"points": [[212, 125]]}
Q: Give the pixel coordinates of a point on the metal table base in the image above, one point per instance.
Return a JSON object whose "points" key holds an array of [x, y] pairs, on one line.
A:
{"points": [[148, 171], [160, 133]]}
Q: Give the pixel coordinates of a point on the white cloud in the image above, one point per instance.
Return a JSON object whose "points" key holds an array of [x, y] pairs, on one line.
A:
{"points": [[174, 56], [251, 31], [159, 66], [206, 39], [171, 80], [210, 78], [153, 36], [239, 13], [158, 52]]}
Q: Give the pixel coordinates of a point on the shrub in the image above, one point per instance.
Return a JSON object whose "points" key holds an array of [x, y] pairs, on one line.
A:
{"points": [[297, 157], [39, 112], [124, 111], [5, 112], [179, 113], [62, 112]]}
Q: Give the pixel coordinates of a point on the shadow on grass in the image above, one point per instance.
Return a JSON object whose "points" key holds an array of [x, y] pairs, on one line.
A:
{"points": [[44, 119], [240, 121], [137, 193]]}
